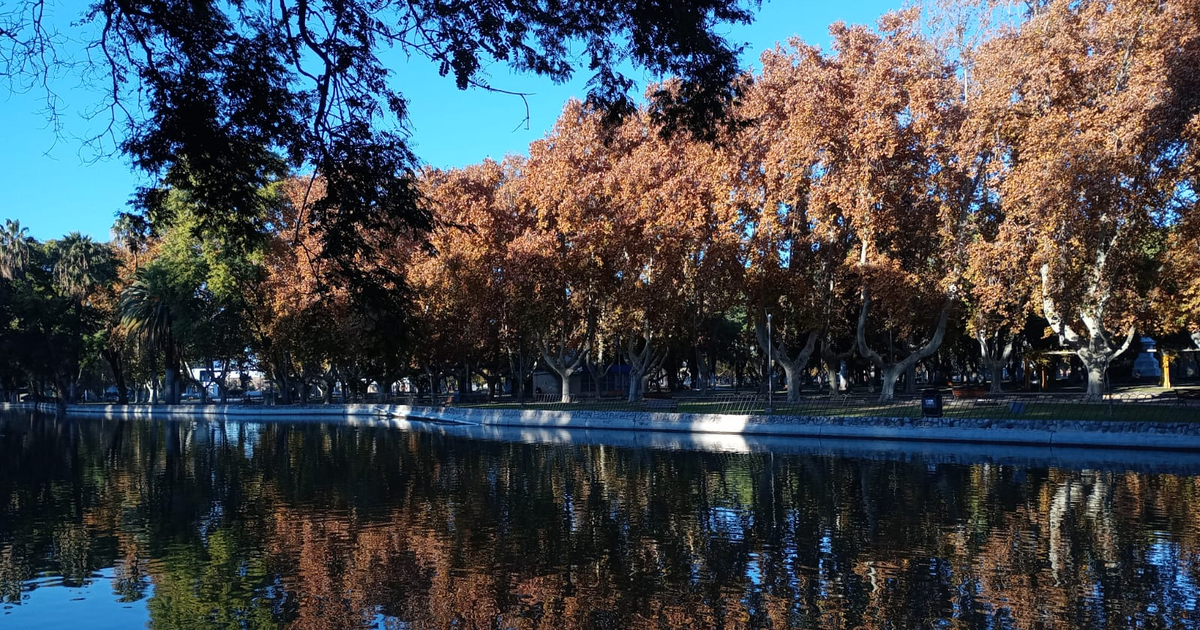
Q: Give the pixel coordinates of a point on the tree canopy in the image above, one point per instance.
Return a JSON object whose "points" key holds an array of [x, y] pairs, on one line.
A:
{"points": [[896, 209], [219, 100]]}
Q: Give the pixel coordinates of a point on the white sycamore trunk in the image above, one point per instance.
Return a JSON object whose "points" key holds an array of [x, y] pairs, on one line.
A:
{"points": [[890, 371], [995, 355], [793, 367], [563, 366], [1097, 349]]}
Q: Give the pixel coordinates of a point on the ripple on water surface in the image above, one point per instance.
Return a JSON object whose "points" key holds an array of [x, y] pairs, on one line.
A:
{"points": [[314, 526]]}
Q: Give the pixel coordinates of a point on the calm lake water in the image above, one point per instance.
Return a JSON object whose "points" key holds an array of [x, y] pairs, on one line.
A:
{"points": [[125, 524]]}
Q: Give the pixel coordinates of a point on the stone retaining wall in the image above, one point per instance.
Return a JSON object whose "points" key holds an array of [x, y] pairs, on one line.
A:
{"points": [[1155, 435], [1089, 433]]}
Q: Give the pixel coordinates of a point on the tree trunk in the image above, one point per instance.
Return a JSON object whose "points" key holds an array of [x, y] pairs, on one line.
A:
{"points": [[833, 376], [833, 365], [114, 363], [562, 367], [435, 383], [61, 391], [793, 367], [673, 382], [171, 379], [564, 377], [636, 388], [1097, 350], [703, 373], [891, 370], [208, 363], [464, 383], [888, 377], [995, 352], [792, 375], [520, 366], [642, 363], [996, 374], [766, 380], [598, 375]]}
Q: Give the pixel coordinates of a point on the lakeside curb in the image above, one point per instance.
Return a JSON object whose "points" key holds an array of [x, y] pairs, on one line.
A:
{"points": [[1177, 436]]}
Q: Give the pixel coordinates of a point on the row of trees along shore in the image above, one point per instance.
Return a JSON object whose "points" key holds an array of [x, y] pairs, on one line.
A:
{"points": [[937, 192]]}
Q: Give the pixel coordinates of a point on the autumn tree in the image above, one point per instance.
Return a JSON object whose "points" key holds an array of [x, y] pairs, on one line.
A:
{"points": [[793, 250], [575, 247], [676, 246], [312, 325], [870, 175], [1081, 102], [678, 192], [1176, 298], [463, 297], [998, 290]]}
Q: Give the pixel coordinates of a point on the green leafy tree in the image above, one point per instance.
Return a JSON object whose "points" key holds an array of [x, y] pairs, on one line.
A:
{"points": [[15, 247], [51, 307], [232, 96]]}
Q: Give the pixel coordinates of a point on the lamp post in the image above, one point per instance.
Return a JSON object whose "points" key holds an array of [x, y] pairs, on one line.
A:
{"points": [[770, 369]]}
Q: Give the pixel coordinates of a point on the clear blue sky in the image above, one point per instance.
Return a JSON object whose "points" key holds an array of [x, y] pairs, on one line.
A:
{"points": [[53, 185]]}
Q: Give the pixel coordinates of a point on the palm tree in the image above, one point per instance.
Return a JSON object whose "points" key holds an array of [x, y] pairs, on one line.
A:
{"points": [[130, 231], [79, 268], [81, 265], [147, 312], [15, 249]]}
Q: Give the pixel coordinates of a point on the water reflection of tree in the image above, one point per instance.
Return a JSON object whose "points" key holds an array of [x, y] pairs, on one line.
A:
{"points": [[310, 526]]}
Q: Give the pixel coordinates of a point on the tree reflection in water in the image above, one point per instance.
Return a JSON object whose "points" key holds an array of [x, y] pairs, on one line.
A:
{"points": [[314, 526]]}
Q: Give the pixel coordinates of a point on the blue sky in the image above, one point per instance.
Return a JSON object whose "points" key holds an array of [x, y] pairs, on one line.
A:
{"points": [[54, 184]]}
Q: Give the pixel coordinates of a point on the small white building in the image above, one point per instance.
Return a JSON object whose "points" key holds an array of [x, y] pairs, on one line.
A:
{"points": [[233, 378]]}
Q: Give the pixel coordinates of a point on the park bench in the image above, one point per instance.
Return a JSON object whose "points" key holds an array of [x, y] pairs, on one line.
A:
{"points": [[660, 404]]}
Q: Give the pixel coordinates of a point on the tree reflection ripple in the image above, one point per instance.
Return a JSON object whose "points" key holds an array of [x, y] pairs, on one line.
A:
{"points": [[213, 525]]}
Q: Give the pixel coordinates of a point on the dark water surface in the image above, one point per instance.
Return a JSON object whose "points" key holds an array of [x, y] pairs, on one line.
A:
{"points": [[123, 524]]}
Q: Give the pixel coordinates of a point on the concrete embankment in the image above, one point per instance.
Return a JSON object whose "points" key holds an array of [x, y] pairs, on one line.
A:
{"points": [[925, 452], [1064, 433], [1075, 433]]}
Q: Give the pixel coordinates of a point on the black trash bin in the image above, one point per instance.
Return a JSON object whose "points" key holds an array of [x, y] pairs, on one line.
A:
{"points": [[931, 403]]}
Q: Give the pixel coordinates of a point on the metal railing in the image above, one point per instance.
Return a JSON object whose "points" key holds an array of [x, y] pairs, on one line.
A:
{"points": [[1165, 406], [1180, 405]]}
